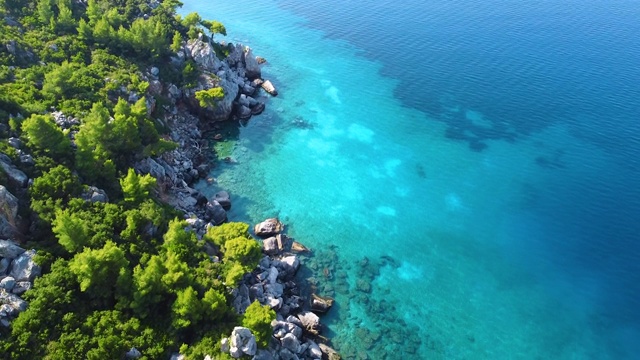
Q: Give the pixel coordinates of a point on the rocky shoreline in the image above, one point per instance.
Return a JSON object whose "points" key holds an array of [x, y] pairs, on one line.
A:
{"points": [[297, 329]]}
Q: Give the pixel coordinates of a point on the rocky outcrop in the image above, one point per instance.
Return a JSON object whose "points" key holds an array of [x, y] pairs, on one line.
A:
{"points": [[268, 227]]}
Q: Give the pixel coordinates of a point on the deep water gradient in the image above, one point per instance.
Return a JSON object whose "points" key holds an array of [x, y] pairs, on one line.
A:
{"points": [[466, 172]]}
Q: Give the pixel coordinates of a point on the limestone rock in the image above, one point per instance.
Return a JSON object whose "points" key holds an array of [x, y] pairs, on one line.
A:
{"points": [[23, 268], [10, 250], [268, 227], [269, 88]]}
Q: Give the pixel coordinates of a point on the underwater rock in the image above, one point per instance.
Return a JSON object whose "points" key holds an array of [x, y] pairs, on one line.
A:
{"points": [[298, 247]]}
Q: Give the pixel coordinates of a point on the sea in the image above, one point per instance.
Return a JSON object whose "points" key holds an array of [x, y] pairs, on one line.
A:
{"points": [[467, 174]]}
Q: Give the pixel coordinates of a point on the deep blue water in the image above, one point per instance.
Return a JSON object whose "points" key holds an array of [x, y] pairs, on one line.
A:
{"points": [[490, 148]]}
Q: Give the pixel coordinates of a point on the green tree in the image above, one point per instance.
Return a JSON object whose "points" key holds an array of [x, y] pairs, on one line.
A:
{"points": [[100, 271], [215, 27], [245, 250], [176, 42], [210, 97], [71, 231], [215, 305], [45, 11], [149, 290], [258, 318], [53, 190], [220, 234], [187, 309], [45, 138]]}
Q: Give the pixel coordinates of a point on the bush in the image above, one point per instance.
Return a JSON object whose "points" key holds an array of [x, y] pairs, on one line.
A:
{"points": [[258, 318]]}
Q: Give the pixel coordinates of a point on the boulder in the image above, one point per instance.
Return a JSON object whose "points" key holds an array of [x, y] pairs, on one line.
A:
{"points": [[14, 301], [329, 353], [286, 354], [223, 198], [8, 283], [270, 246], [4, 265], [251, 65], [14, 142], [94, 194], [268, 87], [320, 304], [22, 287], [242, 339], [14, 176], [310, 322], [291, 342], [314, 350], [257, 109], [10, 250], [215, 212], [8, 215], [224, 345], [243, 112], [23, 268], [268, 227], [155, 87], [133, 353], [289, 265]]}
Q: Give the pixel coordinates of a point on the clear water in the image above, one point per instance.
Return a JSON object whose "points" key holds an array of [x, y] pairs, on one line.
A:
{"points": [[490, 150]]}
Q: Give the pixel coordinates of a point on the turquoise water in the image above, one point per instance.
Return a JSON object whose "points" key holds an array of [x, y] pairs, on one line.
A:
{"points": [[490, 183]]}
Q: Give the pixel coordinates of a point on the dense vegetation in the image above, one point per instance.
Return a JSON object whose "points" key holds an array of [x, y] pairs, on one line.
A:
{"points": [[125, 273]]}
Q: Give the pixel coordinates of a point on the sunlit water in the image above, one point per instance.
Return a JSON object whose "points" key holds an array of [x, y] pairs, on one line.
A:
{"points": [[481, 157]]}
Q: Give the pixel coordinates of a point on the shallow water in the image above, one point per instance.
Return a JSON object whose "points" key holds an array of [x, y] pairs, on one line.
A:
{"points": [[483, 159]]}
